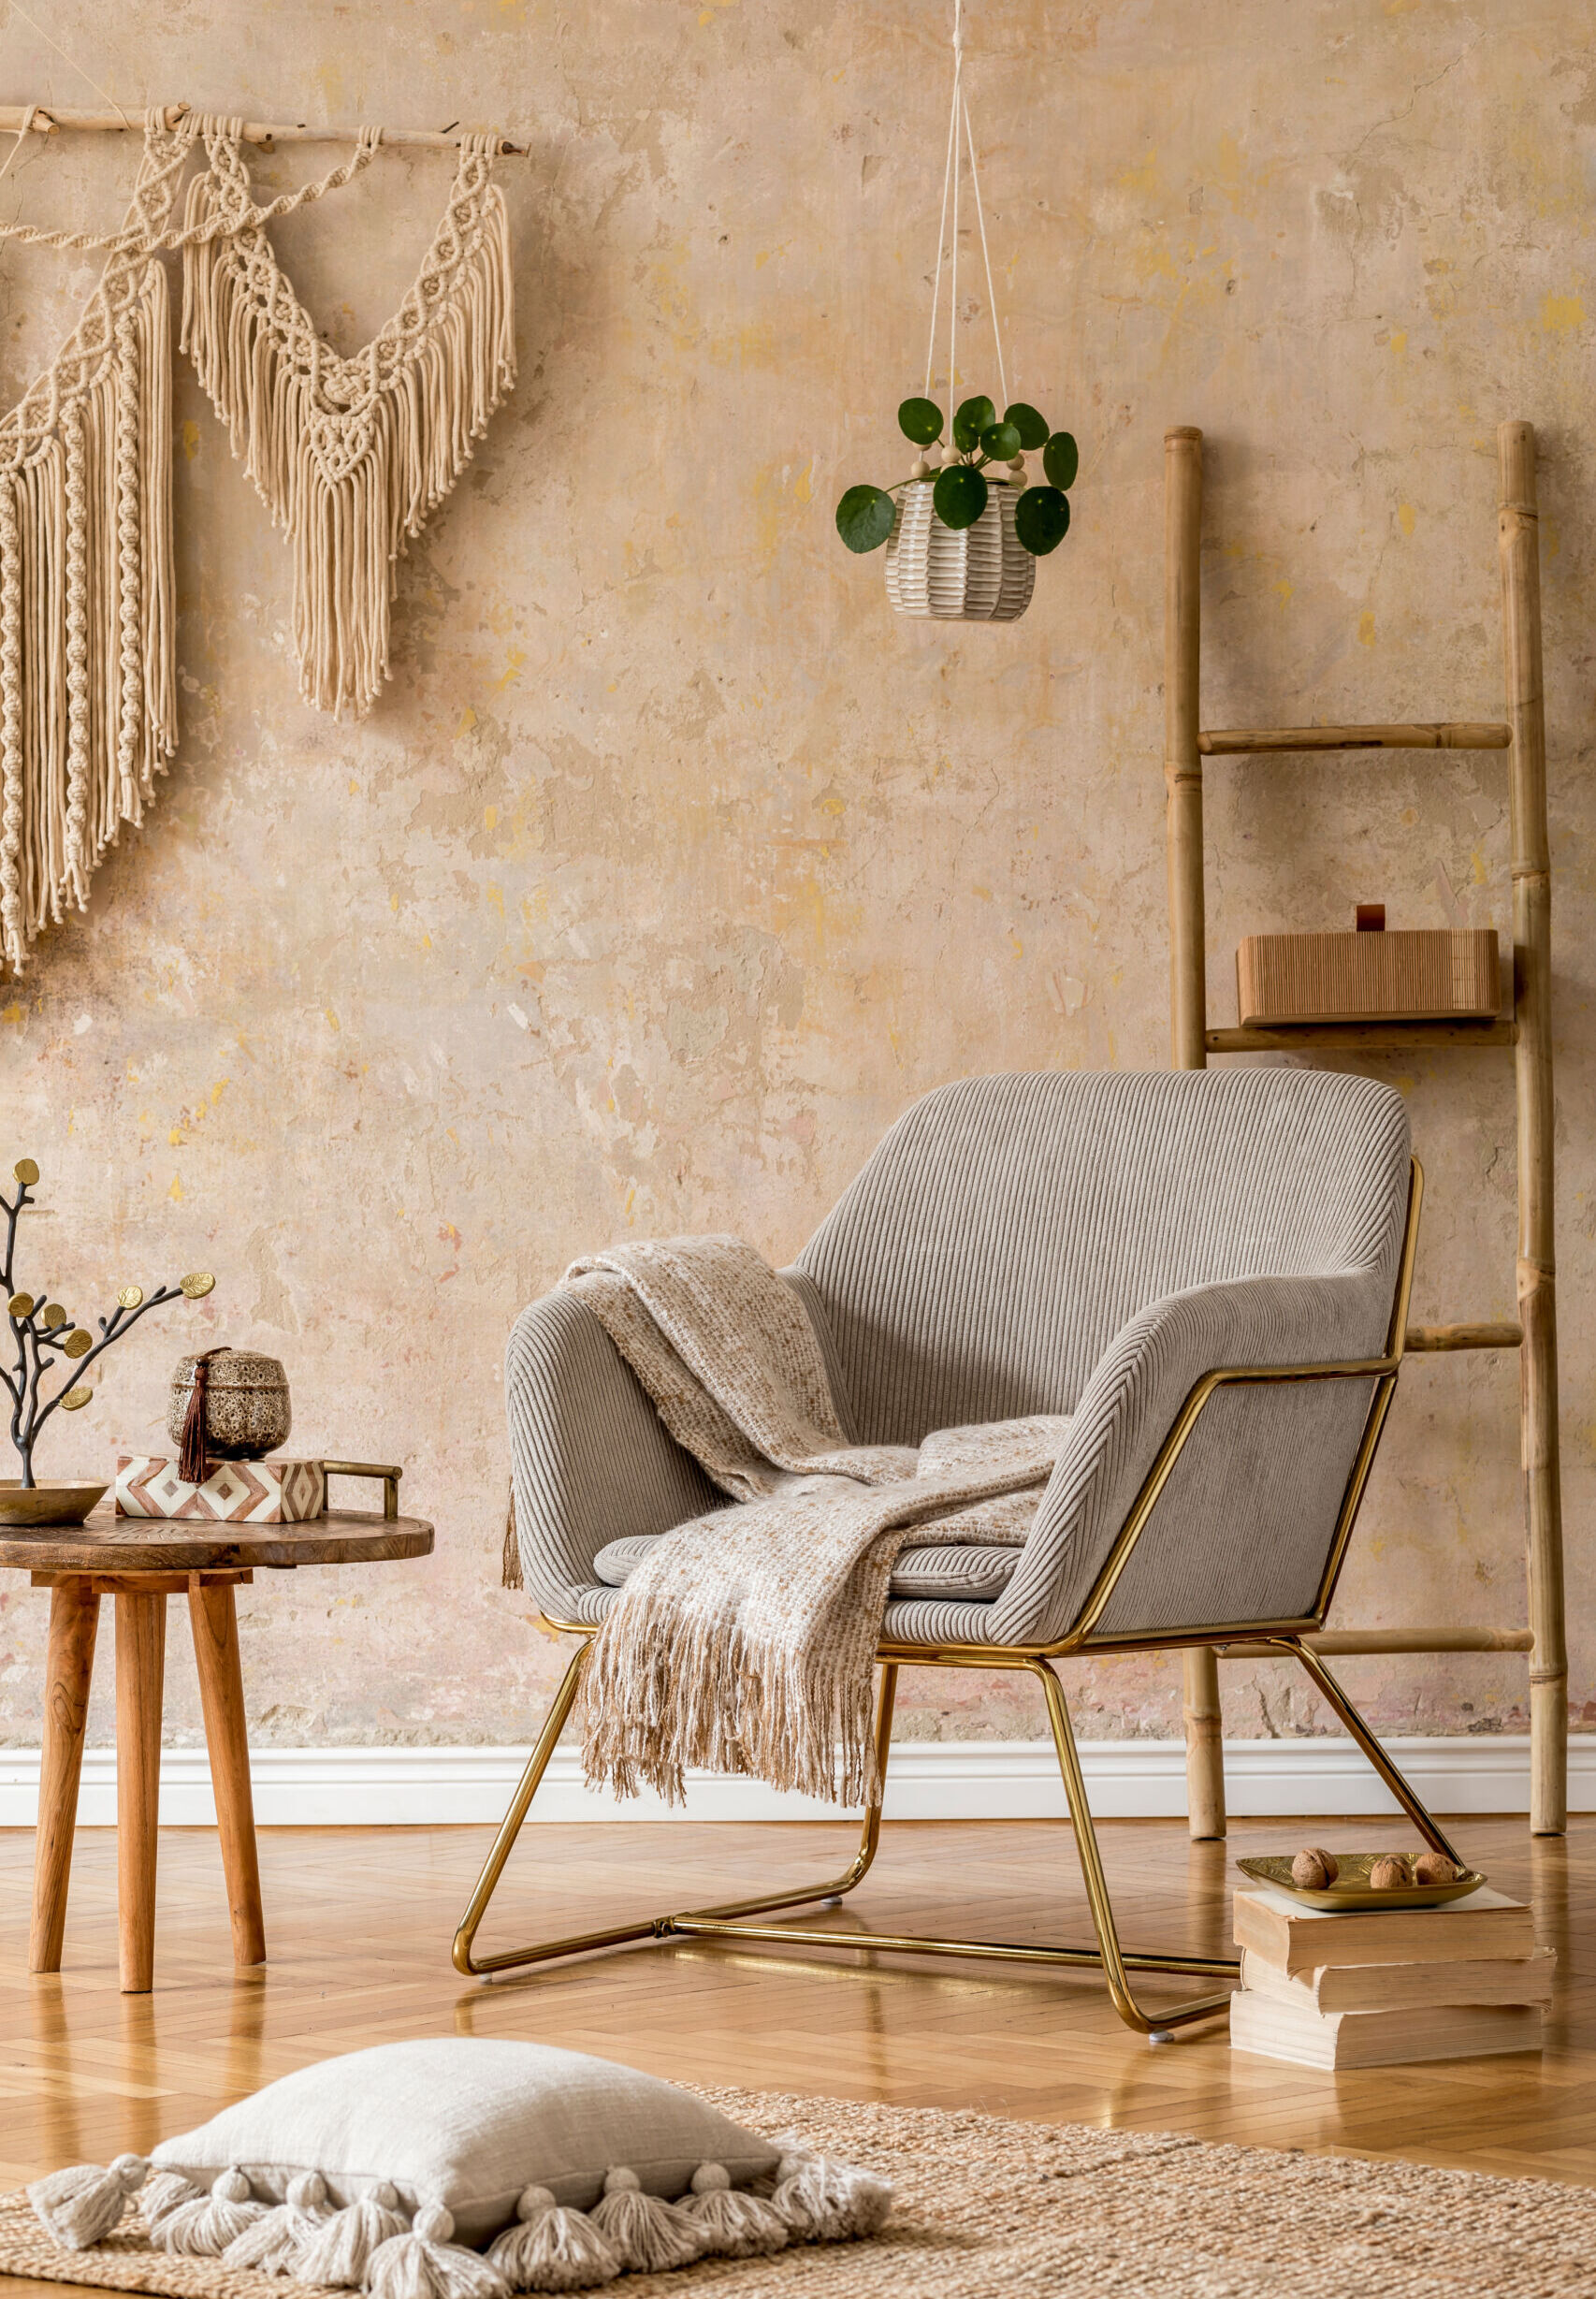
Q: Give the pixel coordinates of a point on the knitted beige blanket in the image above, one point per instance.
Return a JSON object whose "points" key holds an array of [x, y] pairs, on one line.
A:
{"points": [[744, 1641]]}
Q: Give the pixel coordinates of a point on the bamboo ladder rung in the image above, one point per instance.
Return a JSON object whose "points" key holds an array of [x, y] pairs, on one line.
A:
{"points": [[1437, 734], [1482, 1336], [1367, 1037], [1352, 1640]]}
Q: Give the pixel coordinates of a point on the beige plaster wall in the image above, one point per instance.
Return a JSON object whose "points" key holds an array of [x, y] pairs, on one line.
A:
{"points": [[672, 865]]}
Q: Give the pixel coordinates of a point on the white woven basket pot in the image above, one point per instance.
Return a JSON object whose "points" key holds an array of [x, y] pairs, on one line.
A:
{"points": [[980, 574]]}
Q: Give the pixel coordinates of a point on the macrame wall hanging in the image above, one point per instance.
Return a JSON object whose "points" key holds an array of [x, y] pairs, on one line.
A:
{"points": [[88, 708], [349, 455]]}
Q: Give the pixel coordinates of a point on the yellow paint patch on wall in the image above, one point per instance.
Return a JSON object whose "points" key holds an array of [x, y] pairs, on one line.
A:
{"points": [[468, 719], [517, 661], [1405, 518], [190, 439], [1283, 592], [1561, 315], [1366, 628]]}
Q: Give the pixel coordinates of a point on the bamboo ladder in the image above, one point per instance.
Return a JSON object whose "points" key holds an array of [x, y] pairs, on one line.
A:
{"points": [[1528, 1032]]}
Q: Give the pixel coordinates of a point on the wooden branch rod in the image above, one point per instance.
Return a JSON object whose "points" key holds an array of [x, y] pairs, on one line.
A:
{"points": [[1438, 1337], [48, 119], [1333, 1640], [1246, 741]]}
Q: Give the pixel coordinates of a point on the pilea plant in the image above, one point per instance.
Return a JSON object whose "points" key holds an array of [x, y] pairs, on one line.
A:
{"points": [[960, 488]]}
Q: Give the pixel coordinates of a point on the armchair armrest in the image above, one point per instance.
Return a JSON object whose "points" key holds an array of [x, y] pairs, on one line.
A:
{"points": [[1241, 1529], [591, 1457]]}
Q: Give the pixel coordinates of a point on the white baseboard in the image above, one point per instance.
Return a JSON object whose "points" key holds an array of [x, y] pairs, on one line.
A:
{"points": [[929, 1779]]}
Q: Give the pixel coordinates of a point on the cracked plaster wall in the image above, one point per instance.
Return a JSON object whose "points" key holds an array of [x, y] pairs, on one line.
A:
{"points": [[672, 867]]}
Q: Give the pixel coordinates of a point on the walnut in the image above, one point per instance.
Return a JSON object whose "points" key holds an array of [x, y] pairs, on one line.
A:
{"points": [[1313, 1869], [1390, 1872], [1435, 1867]]}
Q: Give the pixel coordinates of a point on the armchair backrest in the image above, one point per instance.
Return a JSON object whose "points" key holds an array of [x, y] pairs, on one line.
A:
{"points": [[1007, 1228]]}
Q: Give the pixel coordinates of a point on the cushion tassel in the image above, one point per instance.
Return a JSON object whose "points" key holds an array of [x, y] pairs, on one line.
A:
{"points": [[733, 2222], [78, 2206], [425, 2265], [650, 2235], [339, 2250], [823, 2200], [552, 2248], [272, 2244], [164, 2192], [203, 2226]]}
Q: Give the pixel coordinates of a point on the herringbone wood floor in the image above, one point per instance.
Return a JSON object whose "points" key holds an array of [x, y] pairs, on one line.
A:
{"points": [[358, 1923]]}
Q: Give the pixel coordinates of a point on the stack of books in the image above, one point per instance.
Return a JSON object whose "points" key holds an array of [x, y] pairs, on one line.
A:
{"points": [[1370, 1989]]}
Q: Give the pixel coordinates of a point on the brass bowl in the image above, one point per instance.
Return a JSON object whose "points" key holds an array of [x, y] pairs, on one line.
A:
{"points": [[1352, 1889], [47, 1504]]}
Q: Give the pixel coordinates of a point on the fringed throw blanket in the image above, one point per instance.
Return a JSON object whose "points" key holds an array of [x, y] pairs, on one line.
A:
{"points": [[88, 704], [745, 1640], [349, 455]]}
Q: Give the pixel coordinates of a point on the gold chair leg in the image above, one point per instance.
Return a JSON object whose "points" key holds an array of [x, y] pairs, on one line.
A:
{"points": [[653, 1928], [1113, 1958], [1405, 1795]]}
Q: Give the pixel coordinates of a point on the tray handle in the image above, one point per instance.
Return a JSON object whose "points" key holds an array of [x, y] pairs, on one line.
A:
{"points": [[390, 1477]]}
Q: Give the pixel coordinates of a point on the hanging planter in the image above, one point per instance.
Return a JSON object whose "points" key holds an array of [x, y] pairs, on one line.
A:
{"points": [[962, 545]]}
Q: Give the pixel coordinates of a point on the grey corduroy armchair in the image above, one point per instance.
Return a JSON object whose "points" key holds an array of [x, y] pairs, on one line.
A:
{"points": [[1207, 1272]]}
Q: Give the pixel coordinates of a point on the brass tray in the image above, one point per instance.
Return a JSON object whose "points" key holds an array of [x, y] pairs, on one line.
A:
{"points": [[1352, 1889]]}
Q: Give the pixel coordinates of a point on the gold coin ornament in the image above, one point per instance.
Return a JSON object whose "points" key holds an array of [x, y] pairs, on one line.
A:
{"points": [[33, 1402]]}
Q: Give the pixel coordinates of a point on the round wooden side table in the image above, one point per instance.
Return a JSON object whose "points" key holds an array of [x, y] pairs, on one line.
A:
{"points": [[140, 1562]]}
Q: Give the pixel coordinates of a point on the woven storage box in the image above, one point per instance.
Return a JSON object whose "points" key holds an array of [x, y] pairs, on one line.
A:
{"points": [[235, 1493], [1402, 977], [980, 574]]}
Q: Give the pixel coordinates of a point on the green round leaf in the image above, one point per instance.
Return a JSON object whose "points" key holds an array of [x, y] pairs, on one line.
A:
{"points": [[970, 421], [959, 497], [1061, 459], [922, 421], [1031, 427], [1001, 441], [1041, 519], [864, 517]]}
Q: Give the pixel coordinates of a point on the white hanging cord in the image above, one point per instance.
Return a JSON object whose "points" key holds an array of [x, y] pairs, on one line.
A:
{"points": [[953, 272], [990, 297], [941, 240]]}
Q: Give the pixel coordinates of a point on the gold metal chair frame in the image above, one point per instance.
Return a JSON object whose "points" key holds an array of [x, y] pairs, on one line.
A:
{"points": [[1117, 1964]]}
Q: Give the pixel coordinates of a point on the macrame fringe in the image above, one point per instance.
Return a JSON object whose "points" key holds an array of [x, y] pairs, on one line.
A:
{"points": [[88, 699], [350, 456]]}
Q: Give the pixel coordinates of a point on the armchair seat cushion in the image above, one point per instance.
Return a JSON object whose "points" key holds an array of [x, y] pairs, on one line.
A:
{"points": [[964, 1571]]}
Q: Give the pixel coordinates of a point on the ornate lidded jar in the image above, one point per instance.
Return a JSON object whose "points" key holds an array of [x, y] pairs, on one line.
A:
{"points": [[247, 1409]]}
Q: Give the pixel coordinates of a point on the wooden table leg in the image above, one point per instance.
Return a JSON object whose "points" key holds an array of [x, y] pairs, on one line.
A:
{"points": [[74, 1616], [141, 1662], [215, 1624]]}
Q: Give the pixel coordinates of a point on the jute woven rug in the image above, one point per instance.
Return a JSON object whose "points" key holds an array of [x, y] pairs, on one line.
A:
{"points": [[986, 2209]]}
